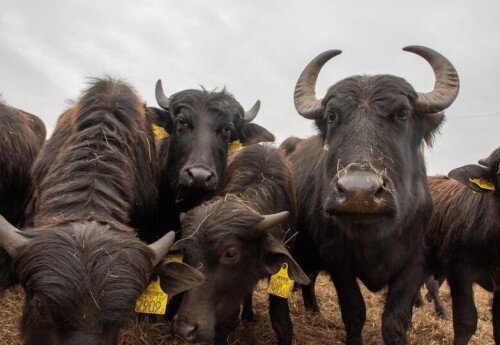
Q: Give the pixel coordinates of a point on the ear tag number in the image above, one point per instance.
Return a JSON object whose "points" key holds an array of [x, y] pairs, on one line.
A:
{"points": [[159, 132], [483, 183], [235, 146], [280, 283], [153, 300]]}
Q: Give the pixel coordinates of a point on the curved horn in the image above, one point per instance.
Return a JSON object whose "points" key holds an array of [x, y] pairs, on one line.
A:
{"points": [[252, 113], [161, 247], [304, 96], [10, 237], [162, 100], [271, 220], [446, 85]]}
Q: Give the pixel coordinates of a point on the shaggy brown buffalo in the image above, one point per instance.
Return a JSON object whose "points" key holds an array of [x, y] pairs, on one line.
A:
{"points": [[201, 127], [21, 136], [363, 197], [235, 246], [463, 239], [81, 266]]}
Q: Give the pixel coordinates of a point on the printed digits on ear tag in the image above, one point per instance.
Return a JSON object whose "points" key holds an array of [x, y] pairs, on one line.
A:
{"points": [[153, 300], [280, 283]]}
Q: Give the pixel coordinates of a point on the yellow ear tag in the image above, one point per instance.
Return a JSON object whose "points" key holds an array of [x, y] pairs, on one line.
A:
{"points": [[234, 146], [153, 300], [482, 183], [280, 284], [159, 132], [177, 257]]}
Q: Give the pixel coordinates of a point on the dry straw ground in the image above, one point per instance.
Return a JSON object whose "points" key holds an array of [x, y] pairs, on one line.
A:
{"points": [[326, 328]]}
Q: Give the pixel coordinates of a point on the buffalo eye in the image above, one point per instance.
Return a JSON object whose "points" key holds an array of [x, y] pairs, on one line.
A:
{"points": [[38, 306], [226, 131], [230, 255], [181, 123], [403, 114], [332, 116]]}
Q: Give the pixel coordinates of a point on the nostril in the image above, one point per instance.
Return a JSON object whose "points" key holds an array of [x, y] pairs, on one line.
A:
{"points": [[185, 329], [209, 176], [381, 188], [340, 187]]}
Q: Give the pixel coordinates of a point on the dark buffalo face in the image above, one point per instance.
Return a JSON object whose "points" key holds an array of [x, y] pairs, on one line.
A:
{"points": [[204, 124], [81, 281], [373, 129], [231, 245], [483, 178]]}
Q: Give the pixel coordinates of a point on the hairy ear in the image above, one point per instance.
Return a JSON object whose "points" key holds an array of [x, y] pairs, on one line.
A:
{"points": [[276, 255], [177, 277], [162, 118], [476, 177], [431, 123], [251, 133], [289, 145]]}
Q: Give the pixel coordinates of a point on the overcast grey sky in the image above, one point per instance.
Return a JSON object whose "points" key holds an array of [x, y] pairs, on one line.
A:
{"points": [[256, 49]]}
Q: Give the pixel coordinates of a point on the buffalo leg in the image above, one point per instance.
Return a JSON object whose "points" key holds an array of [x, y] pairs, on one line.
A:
{"points": [[280, 319], [352, 306], [496, 317], [432, 286], [247, 314], [419, 301], [399, 304], [464, 310], [309, 294]]}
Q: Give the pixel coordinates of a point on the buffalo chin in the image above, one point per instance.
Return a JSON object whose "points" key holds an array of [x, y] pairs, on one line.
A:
{"points": [[359, 217]]}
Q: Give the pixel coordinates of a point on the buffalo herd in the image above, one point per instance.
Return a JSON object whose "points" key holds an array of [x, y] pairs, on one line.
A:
{"points": [[127, 205]]}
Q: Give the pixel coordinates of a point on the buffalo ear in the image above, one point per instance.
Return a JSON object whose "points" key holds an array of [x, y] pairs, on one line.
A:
{"points": [[162, 118], [276, 255], [432, 122], [468, 173], [177, 277], [251, 133]]}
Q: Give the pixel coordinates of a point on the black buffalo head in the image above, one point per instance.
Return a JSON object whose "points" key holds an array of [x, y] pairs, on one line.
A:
{"points": [[202, 126], [232, 246], [82, 280], [483, 178], [373, 129]]}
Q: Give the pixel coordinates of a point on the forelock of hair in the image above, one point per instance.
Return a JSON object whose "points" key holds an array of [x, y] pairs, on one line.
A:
{"points": [[214, 100], [88, 262], [371, 86], [221, 218]]}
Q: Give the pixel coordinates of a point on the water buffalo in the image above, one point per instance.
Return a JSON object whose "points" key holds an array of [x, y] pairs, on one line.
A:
{"points": [[363, 197], [235, 246], [22, 135], [201, 127], [81, 266], [463, 239]]}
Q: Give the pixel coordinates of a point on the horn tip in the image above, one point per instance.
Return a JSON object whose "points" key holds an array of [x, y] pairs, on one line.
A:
{"points": [[332, 52], [417, 49]]}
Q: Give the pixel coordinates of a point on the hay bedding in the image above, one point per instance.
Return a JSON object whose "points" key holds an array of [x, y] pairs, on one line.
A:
{"points": [[326, 328]]}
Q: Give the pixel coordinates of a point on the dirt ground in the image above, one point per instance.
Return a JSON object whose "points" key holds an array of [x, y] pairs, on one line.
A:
{"points": [[326, 328]]}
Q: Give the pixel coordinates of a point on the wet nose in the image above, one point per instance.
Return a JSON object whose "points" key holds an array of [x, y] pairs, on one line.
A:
{"points": [[360, 186], [360, 191], [185, 329], [200, 177]]}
